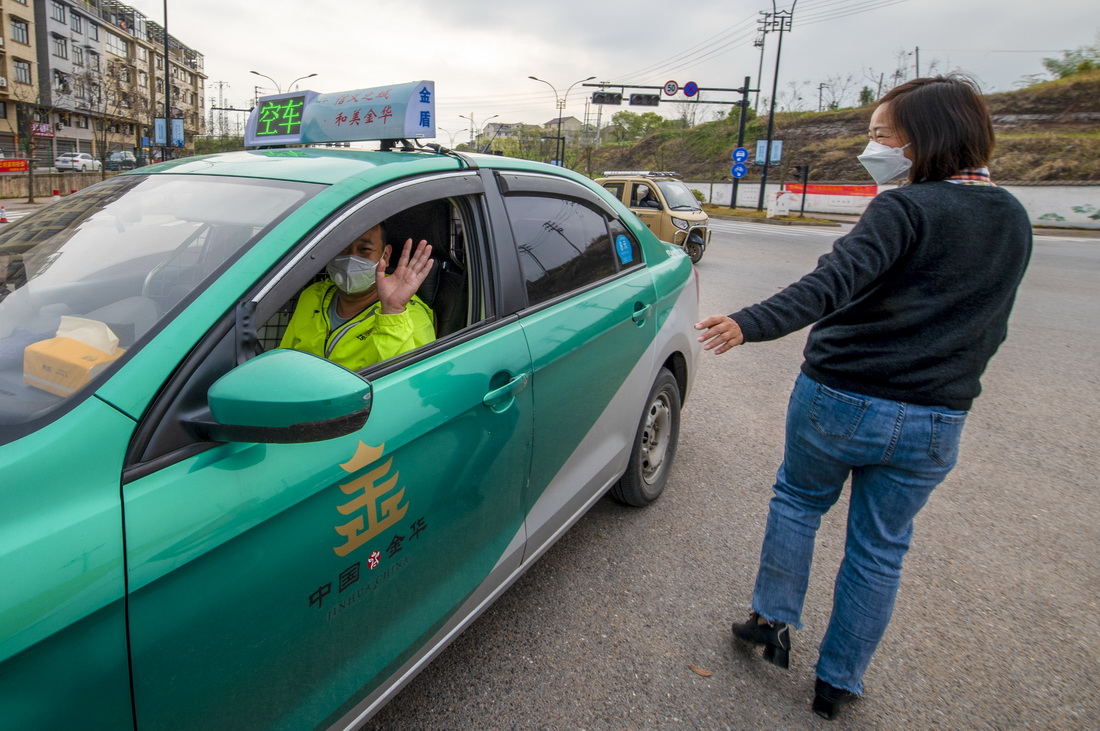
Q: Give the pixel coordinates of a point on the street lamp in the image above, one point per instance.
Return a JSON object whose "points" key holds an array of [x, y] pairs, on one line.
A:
{"points": [[279, 88], [301, 78], [452, 135], [559, 147], [474, 129]]}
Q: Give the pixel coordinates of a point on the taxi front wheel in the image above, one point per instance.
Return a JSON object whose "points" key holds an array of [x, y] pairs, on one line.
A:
{"points": [[654, 445]]}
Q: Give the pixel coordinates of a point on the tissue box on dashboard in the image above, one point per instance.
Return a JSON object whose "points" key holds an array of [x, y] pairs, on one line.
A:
{"points": [[63, 366]]}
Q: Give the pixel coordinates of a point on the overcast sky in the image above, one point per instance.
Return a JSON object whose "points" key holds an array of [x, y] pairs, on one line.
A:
{"points": [[481, 52]]}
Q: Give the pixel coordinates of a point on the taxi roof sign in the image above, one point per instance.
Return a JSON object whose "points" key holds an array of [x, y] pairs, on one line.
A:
{"points": [[397, 111]]}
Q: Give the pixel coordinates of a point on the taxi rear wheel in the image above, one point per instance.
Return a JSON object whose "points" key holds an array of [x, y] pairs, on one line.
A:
{"points": [[654, 445]]}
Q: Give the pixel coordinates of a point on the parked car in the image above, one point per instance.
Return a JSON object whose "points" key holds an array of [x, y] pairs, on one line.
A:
{"points": [[77, 162], [665, 205], [200, 529], [121, 160]]}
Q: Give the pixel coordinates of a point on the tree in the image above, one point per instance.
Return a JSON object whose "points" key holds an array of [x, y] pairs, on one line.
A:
{"points": [[866, 96], [688, 113], [114, 101], [33, 105], [792, 98], [1085, 58], [209, 145], [627, 126], [837, 90]]}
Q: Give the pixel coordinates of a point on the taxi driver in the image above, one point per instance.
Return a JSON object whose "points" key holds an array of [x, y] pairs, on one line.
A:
{"points": [[358, 315]]}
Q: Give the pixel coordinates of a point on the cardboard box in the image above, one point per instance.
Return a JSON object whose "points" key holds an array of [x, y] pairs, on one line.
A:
{"points": [[63, 366]]}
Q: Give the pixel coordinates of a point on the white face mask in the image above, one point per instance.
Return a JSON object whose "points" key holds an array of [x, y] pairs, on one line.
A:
{"points": [[884, 163], [352, 274]]}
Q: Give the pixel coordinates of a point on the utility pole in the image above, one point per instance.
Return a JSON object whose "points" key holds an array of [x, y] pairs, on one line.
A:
{"points": [[759, 43], [916, 53], [820, 86], [781, 21], [219, 125]]}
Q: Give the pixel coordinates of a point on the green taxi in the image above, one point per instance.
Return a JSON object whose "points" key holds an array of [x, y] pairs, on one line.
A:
{"points": [[201, 529]]}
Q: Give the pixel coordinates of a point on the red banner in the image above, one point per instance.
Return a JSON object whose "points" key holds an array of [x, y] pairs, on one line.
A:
{"points": [[866, 191], [14, 166]]}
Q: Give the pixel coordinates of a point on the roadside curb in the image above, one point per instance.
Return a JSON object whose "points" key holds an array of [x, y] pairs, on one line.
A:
{"points": [[774, 222]]}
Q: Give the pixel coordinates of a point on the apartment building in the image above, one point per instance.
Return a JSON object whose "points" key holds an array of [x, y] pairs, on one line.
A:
{"points": [[89, 76]]}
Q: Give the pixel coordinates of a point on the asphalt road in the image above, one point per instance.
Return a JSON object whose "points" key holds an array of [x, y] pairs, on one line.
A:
{"points": [[996, 624]]}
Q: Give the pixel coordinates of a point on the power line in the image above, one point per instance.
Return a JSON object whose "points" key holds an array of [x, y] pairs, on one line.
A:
{"points": [[825, 10]]}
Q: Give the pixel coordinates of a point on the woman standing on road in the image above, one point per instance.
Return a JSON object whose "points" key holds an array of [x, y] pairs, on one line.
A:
{"points": [[909, 308]]}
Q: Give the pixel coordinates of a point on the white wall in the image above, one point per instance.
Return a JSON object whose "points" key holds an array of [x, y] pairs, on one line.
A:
{"points": [[1060, 205], [1076, 206], [748, 194]]}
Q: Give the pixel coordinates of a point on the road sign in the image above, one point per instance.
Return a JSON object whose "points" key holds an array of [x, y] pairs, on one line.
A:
{"points": [[777, 151], [177, 132], [671, 87], [739, 170], [691, 88], [740, 154]]}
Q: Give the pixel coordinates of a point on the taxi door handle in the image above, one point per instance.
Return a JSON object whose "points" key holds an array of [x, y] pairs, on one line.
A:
{"points": [[641, 312], [501, 398]]}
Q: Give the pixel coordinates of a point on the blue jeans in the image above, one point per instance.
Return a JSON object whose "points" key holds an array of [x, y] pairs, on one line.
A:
{"points": [[896, 454]]}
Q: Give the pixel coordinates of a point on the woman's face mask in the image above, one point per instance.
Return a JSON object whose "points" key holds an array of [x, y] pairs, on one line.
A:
{"points": [[352, 274], [883, 162]]}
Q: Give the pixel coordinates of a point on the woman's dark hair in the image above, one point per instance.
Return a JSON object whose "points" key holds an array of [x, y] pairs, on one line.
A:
{"points": [[946, 121]]}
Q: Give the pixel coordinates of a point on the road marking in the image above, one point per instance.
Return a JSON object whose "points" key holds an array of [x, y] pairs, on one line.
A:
{"points": [[14, 216]]}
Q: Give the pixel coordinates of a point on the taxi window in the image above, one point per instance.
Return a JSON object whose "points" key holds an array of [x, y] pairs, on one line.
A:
{"points": [[120, 256], [563, 246], [616, 189], [643, 196]]}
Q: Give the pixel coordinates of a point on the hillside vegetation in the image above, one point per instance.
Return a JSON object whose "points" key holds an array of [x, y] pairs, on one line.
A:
{"points": [[1049, 132]]}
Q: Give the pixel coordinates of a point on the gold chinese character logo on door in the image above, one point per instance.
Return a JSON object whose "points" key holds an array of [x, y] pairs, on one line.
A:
{"points": [[377, 502]]}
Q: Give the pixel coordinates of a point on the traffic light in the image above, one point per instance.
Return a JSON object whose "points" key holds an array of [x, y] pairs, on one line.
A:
{"points": [[645, 100], [607, 97]]}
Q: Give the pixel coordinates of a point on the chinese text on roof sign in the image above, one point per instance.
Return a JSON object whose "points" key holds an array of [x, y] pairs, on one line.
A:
{"points": [[398, 111]]}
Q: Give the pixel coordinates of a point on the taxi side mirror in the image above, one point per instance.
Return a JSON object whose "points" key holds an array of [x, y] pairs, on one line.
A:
{"points": [[286, 397]]}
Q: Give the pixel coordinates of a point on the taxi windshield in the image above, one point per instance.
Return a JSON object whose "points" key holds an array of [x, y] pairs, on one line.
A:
{"points": [[104, 266], [678, 196]]}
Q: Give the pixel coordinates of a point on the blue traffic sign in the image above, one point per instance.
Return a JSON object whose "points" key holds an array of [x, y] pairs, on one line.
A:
{"points": [[691, 88], [739, 170], [740, 154]]}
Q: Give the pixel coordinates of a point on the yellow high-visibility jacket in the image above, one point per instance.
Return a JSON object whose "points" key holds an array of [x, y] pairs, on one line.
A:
{"points": [[368, 338]]}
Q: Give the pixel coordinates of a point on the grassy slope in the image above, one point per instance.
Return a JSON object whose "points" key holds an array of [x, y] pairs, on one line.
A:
{"points": [[1055, 147]]}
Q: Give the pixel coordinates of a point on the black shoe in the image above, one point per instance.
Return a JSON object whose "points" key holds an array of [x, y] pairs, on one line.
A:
{"points": [[828, 700], [775, 636]]}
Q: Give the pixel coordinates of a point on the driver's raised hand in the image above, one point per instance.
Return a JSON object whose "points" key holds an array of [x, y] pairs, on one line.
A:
{"points": [[395, 290]]}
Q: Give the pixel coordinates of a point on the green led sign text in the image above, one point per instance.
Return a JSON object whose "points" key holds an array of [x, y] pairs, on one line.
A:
{"points": [[280, 117]]}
